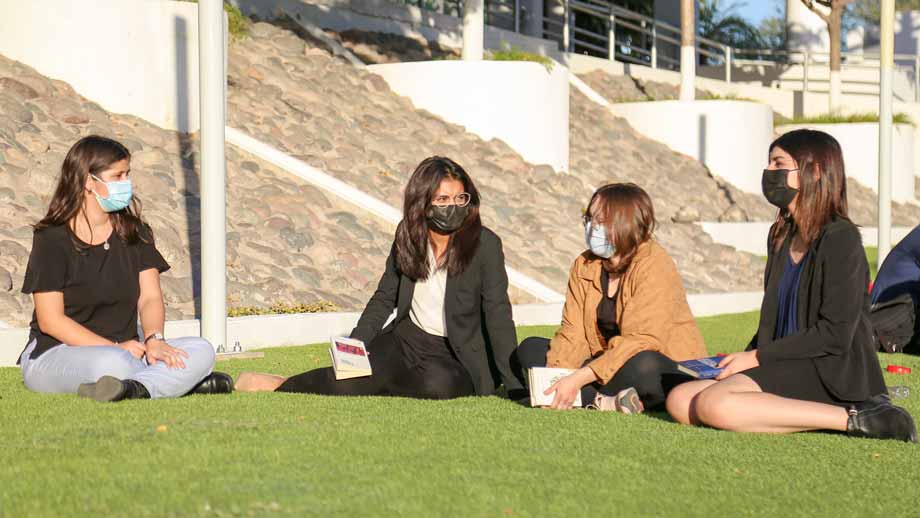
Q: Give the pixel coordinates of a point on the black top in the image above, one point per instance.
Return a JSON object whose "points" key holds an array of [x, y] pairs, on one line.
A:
{"points": [[477, 310], [787, 321], [100, 286], [607, 310], [832, 314]]}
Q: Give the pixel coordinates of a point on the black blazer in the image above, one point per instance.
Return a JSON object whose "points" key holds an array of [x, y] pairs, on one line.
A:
{"points": [[833, 308], [478, 314]]}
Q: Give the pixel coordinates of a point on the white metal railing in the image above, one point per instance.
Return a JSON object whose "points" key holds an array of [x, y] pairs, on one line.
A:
{"points": [[599, 28]]}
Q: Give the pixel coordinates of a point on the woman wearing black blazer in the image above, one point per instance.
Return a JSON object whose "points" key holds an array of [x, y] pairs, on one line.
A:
{"points": [[453, 335], [812, 364]]}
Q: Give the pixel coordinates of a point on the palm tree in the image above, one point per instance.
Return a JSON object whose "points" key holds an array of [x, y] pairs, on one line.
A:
{"points": [[726, 26]]}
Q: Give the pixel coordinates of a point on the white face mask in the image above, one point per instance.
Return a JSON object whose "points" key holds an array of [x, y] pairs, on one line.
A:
{"points": [[596, 240]]}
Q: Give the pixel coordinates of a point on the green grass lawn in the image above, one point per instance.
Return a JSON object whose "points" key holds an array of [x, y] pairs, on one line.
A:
{"points": [[292, 455]]}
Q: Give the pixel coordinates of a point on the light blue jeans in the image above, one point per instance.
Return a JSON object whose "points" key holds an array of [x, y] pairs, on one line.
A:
{"points": [[63, 368]]}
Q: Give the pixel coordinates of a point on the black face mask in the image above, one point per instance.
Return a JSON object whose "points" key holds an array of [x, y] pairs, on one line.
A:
{"points": [[776, 187], [447, 219]]}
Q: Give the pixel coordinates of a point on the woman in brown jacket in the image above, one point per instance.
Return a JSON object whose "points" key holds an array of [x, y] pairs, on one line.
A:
{"points": [[626, 321]]}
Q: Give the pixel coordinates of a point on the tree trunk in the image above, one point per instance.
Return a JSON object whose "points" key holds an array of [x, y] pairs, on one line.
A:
{"points": [[687, 50], [833, 32]]}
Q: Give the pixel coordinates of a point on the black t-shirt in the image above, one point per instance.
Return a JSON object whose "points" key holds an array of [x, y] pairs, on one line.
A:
{"points": [[100, 286], [607, 310]]}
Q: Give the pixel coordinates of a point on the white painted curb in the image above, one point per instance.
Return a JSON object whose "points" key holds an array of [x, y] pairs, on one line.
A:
{"points": [[362, 200], [256, 332]]}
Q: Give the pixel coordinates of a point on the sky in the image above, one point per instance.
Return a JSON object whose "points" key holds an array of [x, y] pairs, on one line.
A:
{"points": [[756, 10]]}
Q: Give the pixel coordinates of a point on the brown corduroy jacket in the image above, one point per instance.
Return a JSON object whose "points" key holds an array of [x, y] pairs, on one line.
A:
{"points": [[651, 310]]}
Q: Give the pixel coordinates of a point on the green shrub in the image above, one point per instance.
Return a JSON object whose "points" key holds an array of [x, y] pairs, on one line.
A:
{"points": [[509, 53], [282, 308], [237, 22], [836, 118]]}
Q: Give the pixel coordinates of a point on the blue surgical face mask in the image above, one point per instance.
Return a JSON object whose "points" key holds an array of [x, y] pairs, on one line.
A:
{"points": [[119, 198], [596, 239]]}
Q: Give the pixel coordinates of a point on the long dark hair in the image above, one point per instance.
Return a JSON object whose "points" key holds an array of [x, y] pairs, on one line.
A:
{"points": [[822, 185], [90, 156], [412, 233], [629, 219]]}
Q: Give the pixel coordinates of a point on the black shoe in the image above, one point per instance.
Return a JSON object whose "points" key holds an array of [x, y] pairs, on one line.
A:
{"points": [[110, 389], [877, 418], [214, 383]]}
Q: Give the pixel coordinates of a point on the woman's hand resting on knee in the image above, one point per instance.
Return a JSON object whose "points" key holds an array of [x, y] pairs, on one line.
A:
{"points": [[737, 362], [136, 348], [160, 351]]}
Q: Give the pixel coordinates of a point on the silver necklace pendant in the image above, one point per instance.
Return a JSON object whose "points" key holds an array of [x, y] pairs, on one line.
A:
{"points": [[105, 246]]}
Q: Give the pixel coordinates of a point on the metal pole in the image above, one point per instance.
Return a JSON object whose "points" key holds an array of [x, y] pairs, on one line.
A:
{"points": [[473, 30], [728, 63], [806, 66], [517, 16], [654, 46], [566, 37], [212, 81], [917, 78], [612, 37], [885, 128]]}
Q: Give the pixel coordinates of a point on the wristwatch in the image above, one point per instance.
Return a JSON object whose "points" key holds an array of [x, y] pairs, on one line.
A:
{"points": [[157, 335]]}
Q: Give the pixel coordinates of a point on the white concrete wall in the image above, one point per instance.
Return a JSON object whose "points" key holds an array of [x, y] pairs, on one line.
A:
{"points": [[130, 56], [752, 237], [860, 154], [264, 331], [392, 18], [730, 137], [520, 102]]}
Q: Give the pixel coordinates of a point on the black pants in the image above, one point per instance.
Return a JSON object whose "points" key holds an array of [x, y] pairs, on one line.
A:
{"points": [[651, 373], [406, 362]]}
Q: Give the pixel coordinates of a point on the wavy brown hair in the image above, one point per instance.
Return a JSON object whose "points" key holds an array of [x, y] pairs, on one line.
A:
{"points": [[412, 232], [92, 155], [629, 218], [822, 186]]}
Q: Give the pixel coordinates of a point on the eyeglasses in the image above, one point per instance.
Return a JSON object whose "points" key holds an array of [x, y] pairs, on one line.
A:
{"points": [[586, 219], [460, 200]]}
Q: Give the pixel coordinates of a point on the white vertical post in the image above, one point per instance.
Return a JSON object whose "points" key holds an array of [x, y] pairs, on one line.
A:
{"points": [[687, 50], [728, 63], [473, 29], [612, 36], [806, 64], [885, 127], [917, 78], [212, 82], [654, 46], [566, 37]]}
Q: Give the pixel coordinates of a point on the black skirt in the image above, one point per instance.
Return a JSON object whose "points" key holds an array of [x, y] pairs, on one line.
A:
{"points": [[794, 379]]}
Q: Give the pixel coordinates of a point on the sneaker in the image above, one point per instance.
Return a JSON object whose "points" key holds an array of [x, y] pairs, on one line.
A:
{"points": [[626, 402], [877, 418]]}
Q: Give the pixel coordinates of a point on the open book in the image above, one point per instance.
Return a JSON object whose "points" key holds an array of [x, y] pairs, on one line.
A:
{"points": [[349, 358], [541, 378], [702, 368]]}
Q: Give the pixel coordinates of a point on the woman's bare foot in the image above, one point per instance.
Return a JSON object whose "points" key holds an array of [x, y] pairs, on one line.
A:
{"points": [[258, 382]]}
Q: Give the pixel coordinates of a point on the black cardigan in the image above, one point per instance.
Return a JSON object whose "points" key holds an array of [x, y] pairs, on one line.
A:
{"points": [[833, 308], [478, 314]]}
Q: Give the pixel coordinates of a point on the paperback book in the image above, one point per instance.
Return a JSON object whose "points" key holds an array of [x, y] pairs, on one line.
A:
{"points": [[349, 358], [702, 368], [542, 378]]}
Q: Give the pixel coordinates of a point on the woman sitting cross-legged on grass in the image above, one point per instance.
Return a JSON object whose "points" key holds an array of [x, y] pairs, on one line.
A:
{"points": [[445, 277], [92, 271], [626, 320], [812, 364]]}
